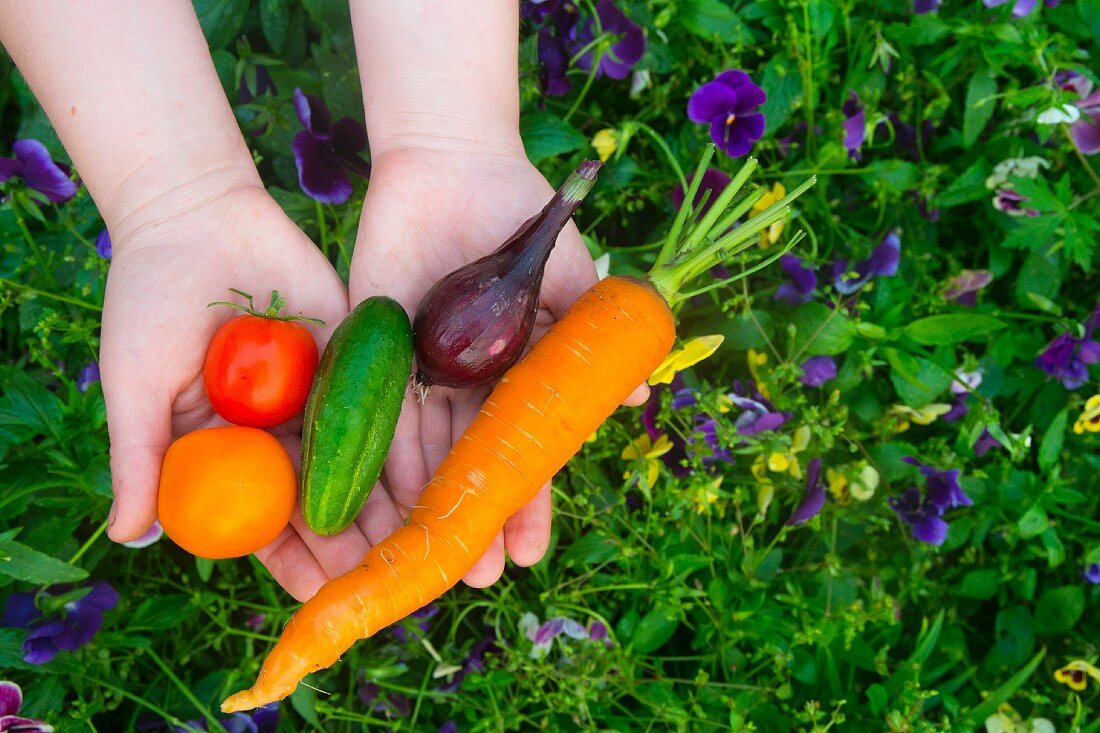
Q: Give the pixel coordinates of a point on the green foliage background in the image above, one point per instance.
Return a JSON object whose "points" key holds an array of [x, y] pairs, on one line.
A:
{"points": [[721, 617]]}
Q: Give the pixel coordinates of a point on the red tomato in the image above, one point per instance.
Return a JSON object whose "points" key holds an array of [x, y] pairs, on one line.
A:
{"points": [[258, 370]]}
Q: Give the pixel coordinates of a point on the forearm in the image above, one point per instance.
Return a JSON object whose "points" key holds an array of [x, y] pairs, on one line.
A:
{"points": [[439, 75], [132, 92]]}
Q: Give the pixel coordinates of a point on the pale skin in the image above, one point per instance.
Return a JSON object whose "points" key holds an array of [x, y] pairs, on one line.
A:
{"points": [[132, 93]]}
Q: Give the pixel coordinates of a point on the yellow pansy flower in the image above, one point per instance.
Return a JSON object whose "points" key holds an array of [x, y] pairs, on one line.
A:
{"points": [[854, 481], [693, 352], [606, 142], [706, 495], [647, 449], [1075, 674], [780, 462], [757, 359], [770, 236], [864, 484], [921, 416], [838, 485], [1090, 417]]}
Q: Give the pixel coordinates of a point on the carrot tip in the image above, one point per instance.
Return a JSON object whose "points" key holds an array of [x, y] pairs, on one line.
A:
{"points": [[235, 703]]}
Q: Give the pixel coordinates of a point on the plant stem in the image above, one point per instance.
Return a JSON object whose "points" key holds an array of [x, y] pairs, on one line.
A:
{"points": [[88, 543], [53, 296], [660, 141], [184, 689]]}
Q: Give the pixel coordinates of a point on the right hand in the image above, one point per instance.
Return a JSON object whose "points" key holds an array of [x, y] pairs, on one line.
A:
{"points": [[172, 257]]}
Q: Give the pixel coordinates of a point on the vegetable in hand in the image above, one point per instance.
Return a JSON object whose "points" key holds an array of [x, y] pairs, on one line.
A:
{"points": [[226, 492], [535, 419], [474, 323], [352, 412], [259, 366]]}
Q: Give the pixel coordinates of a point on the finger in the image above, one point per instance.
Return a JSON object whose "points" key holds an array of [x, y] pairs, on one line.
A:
{"points": [[435, 428], [336, 554], [139, 425], [488, 569], [293, 565], [569, 272], [405, 472], [638, 396], [527, 533], [380, 517]]}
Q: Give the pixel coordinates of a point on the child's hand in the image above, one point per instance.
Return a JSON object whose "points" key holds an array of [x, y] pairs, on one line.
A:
{"points": [[171, 259], [426, 214]]}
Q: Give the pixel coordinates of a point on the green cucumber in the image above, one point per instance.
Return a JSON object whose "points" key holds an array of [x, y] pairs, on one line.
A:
{"points": [[352, 412]]}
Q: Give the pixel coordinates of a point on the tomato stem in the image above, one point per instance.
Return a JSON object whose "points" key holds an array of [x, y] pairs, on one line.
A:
{"points": [[277, 304]]}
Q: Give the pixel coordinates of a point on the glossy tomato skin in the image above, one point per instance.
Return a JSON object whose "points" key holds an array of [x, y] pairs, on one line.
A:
{"points": [[226, 492], [258, 371]]}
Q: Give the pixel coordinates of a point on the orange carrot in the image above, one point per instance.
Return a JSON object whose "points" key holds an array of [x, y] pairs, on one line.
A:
{"points": [[536, 418]]}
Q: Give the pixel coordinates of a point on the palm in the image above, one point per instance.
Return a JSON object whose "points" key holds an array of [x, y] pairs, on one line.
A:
{"points": [[156, 326], [425, 215]]}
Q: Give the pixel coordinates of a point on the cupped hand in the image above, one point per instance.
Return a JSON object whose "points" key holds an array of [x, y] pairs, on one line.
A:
{"points": [[427, 213], [170, 261]]}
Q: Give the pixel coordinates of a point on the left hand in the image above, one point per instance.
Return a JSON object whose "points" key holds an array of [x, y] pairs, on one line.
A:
{"points": [[427, 213]]}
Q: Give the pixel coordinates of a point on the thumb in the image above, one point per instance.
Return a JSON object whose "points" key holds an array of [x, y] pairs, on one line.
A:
{"points": [[140, 430]]}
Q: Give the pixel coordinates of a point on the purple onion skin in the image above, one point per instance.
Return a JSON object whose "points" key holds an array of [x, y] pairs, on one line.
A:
{"points": [[474, 323]]}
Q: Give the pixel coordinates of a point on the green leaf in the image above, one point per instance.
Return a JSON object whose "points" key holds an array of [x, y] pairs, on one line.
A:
{"points": [[783, 84], [1090, 16], [27, 564], [1033, 523], [591, 549], [205, 568], [821, 330], [27, 407], [918, 381], [275, 21], [893, 175], [654, 630], [966, 187], [980, 584], [546, 135], [951, 328], [304, 702], [987, 707], [1059, 609], [221, 20], [1056, 551], [162, 612], [979, 105], [1053, 439], [1038, 193], [709, 18]]}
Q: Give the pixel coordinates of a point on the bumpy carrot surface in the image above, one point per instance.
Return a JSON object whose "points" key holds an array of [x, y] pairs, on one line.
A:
{"points": [[536, 418]]}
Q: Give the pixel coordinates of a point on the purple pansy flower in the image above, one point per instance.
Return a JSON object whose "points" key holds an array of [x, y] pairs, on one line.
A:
{"points": [[985, 443], [707, 428], [1091, 573], [617, 61], [1086, 131], [817, 370], [1067, 357], [964, 287], [1021, 7], [103, 244], [854, 125], [711, 186], [920, 7], [553, 64], [757, 414], [391, 704], [921, 515], [261, 720], [803, 281], [88, 376], [883, 262], [449, 727], [474, 661], [325, 151], [422, 625], [941, 487], [815, 495], [32, 163], [1012, 203], [905, 135], [75, 627], [11, 699], [958, 410], [730, 105]]}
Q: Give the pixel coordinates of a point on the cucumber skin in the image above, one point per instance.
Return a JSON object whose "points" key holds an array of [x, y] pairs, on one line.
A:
{"points": [[351, 412]]}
